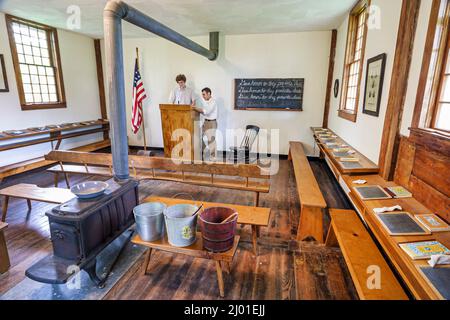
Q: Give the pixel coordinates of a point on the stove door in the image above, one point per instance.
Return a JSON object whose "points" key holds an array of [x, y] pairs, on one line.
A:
{"points": [[66, 241]]}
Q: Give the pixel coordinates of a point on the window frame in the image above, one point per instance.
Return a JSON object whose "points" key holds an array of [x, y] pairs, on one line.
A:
{"points": [[55, 61], [358, 9], [445, 48]]}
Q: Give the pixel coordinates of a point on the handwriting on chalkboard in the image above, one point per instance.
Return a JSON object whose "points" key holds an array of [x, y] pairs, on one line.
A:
{"points": [[268, 93]]}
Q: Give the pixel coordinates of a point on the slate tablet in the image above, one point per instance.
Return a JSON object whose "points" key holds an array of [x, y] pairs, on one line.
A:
{"points": [[401, 224], [372, 193], [439, 279]]}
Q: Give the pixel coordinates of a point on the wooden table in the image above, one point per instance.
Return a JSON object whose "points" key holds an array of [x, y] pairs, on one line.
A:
{"points": [[195, 250], [35, 193], [367, 166], [406, 267], [4, 257], [254, 216]]}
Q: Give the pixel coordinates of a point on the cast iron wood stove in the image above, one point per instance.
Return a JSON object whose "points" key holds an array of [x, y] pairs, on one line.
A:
{"points": [[81, 229]]}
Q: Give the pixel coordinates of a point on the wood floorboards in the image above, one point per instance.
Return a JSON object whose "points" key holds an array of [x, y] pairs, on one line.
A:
{"points": [[284, 270]]}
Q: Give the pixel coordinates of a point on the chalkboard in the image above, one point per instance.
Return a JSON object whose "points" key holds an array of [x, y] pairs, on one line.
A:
{"points": [[269, 94], [439, 278]]}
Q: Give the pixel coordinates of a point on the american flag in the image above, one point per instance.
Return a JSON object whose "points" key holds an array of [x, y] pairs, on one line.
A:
{"points": [[138, 96]]}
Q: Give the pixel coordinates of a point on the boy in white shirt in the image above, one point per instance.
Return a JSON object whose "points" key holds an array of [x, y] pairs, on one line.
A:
{"points": [[209, 112]]}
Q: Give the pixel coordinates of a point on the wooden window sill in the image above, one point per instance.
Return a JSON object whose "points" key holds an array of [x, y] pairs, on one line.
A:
{"points": [[41, 106], [347, 115], [436, 140]]}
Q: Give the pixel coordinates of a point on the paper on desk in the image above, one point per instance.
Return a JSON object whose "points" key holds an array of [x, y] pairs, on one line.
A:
{"points": [[360, 181], [439, 259], [387, 209]]}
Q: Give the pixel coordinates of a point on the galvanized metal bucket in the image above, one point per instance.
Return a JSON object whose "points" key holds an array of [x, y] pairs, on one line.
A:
{"points": [[149, 220], [181, 224]]}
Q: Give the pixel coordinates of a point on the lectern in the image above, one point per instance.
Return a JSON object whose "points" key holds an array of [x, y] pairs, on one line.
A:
{"points": [[181, 132]]}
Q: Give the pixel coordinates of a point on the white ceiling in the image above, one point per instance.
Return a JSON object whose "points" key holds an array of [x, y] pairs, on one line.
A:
{"points": [[194, 17]]}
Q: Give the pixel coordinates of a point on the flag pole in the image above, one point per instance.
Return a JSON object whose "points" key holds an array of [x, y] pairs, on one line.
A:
{"points": [[143, 121]]}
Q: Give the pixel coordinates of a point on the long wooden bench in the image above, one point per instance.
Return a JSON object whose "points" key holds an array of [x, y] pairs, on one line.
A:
{"points": [[373, 278], [222, 175], [4, 257], [28, 165], [312, 203]]}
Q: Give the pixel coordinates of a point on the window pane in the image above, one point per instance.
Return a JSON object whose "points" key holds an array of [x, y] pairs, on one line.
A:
{"points": [[29, 98], [446, 90], [443, 117]]}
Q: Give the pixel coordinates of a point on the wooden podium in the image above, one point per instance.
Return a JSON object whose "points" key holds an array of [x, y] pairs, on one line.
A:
{"points": [[185, 143]]}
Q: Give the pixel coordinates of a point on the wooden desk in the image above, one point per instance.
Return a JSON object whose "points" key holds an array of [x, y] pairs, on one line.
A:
{"points": [[33, 192], [4, 257], [367, 166], [406, 267], [254, 216], [195, 250]]}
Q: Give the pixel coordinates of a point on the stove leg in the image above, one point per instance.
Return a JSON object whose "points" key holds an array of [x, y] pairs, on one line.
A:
{"points": [[90, 268]]}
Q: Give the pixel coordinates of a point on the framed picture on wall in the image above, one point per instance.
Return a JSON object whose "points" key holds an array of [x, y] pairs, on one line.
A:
{"points": [[3, 79], [374, 85]]}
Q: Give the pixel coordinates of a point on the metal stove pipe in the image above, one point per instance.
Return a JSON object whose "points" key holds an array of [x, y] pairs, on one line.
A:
{"points": [[113, 14]]}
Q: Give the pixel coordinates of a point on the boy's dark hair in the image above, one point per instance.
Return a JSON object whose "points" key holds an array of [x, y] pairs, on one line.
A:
{"points": [[180, 77], [208, 90]]}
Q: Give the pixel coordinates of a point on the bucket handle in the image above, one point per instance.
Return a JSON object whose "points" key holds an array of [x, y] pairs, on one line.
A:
{"points": [[183, 193]]}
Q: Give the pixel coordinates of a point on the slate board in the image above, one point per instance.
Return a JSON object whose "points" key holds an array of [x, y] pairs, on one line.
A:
{"points": [[269, 93], [439, 278], [400, 224], [371, 192], [351, 165]]}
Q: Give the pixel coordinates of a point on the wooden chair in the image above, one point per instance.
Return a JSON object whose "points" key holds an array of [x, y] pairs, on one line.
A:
{"points": [[242, 153]]}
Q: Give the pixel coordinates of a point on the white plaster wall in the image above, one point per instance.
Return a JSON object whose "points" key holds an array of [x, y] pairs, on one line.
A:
{"points": [[365, 135], [302, 55], [80, 82], [416, 66]]}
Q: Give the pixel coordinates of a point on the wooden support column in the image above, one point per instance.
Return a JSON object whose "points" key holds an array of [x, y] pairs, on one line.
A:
{"points": [[100, 80], [330, 78], [399, 84]]}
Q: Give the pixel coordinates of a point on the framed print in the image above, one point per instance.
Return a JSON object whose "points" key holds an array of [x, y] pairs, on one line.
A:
{"points": [[374, 85], [3, 80]]}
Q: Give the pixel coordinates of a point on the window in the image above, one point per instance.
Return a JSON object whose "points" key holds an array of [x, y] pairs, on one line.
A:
{"points": [[441, 115], [35, 52], [354, 57], [432, 110]]}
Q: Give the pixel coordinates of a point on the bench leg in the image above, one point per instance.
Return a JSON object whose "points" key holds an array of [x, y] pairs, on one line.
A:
{"points": [[256, 199], [29, 204], [56, 179], [220, 278], [255, 239], [66, 177], [311, 224], [5, 208], [331, 240], [147, 261], [4, 257]]}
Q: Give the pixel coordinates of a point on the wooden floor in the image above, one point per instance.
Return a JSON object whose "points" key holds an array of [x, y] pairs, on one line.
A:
{"points": [[284, 269]]}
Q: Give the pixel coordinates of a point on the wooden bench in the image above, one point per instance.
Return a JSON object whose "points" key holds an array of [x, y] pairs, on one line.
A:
{"points": [[195, 250], [244, 177], [28, 165], [252, 216], [35, 193], [4, 257], [363, 258], [312, 203]]}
